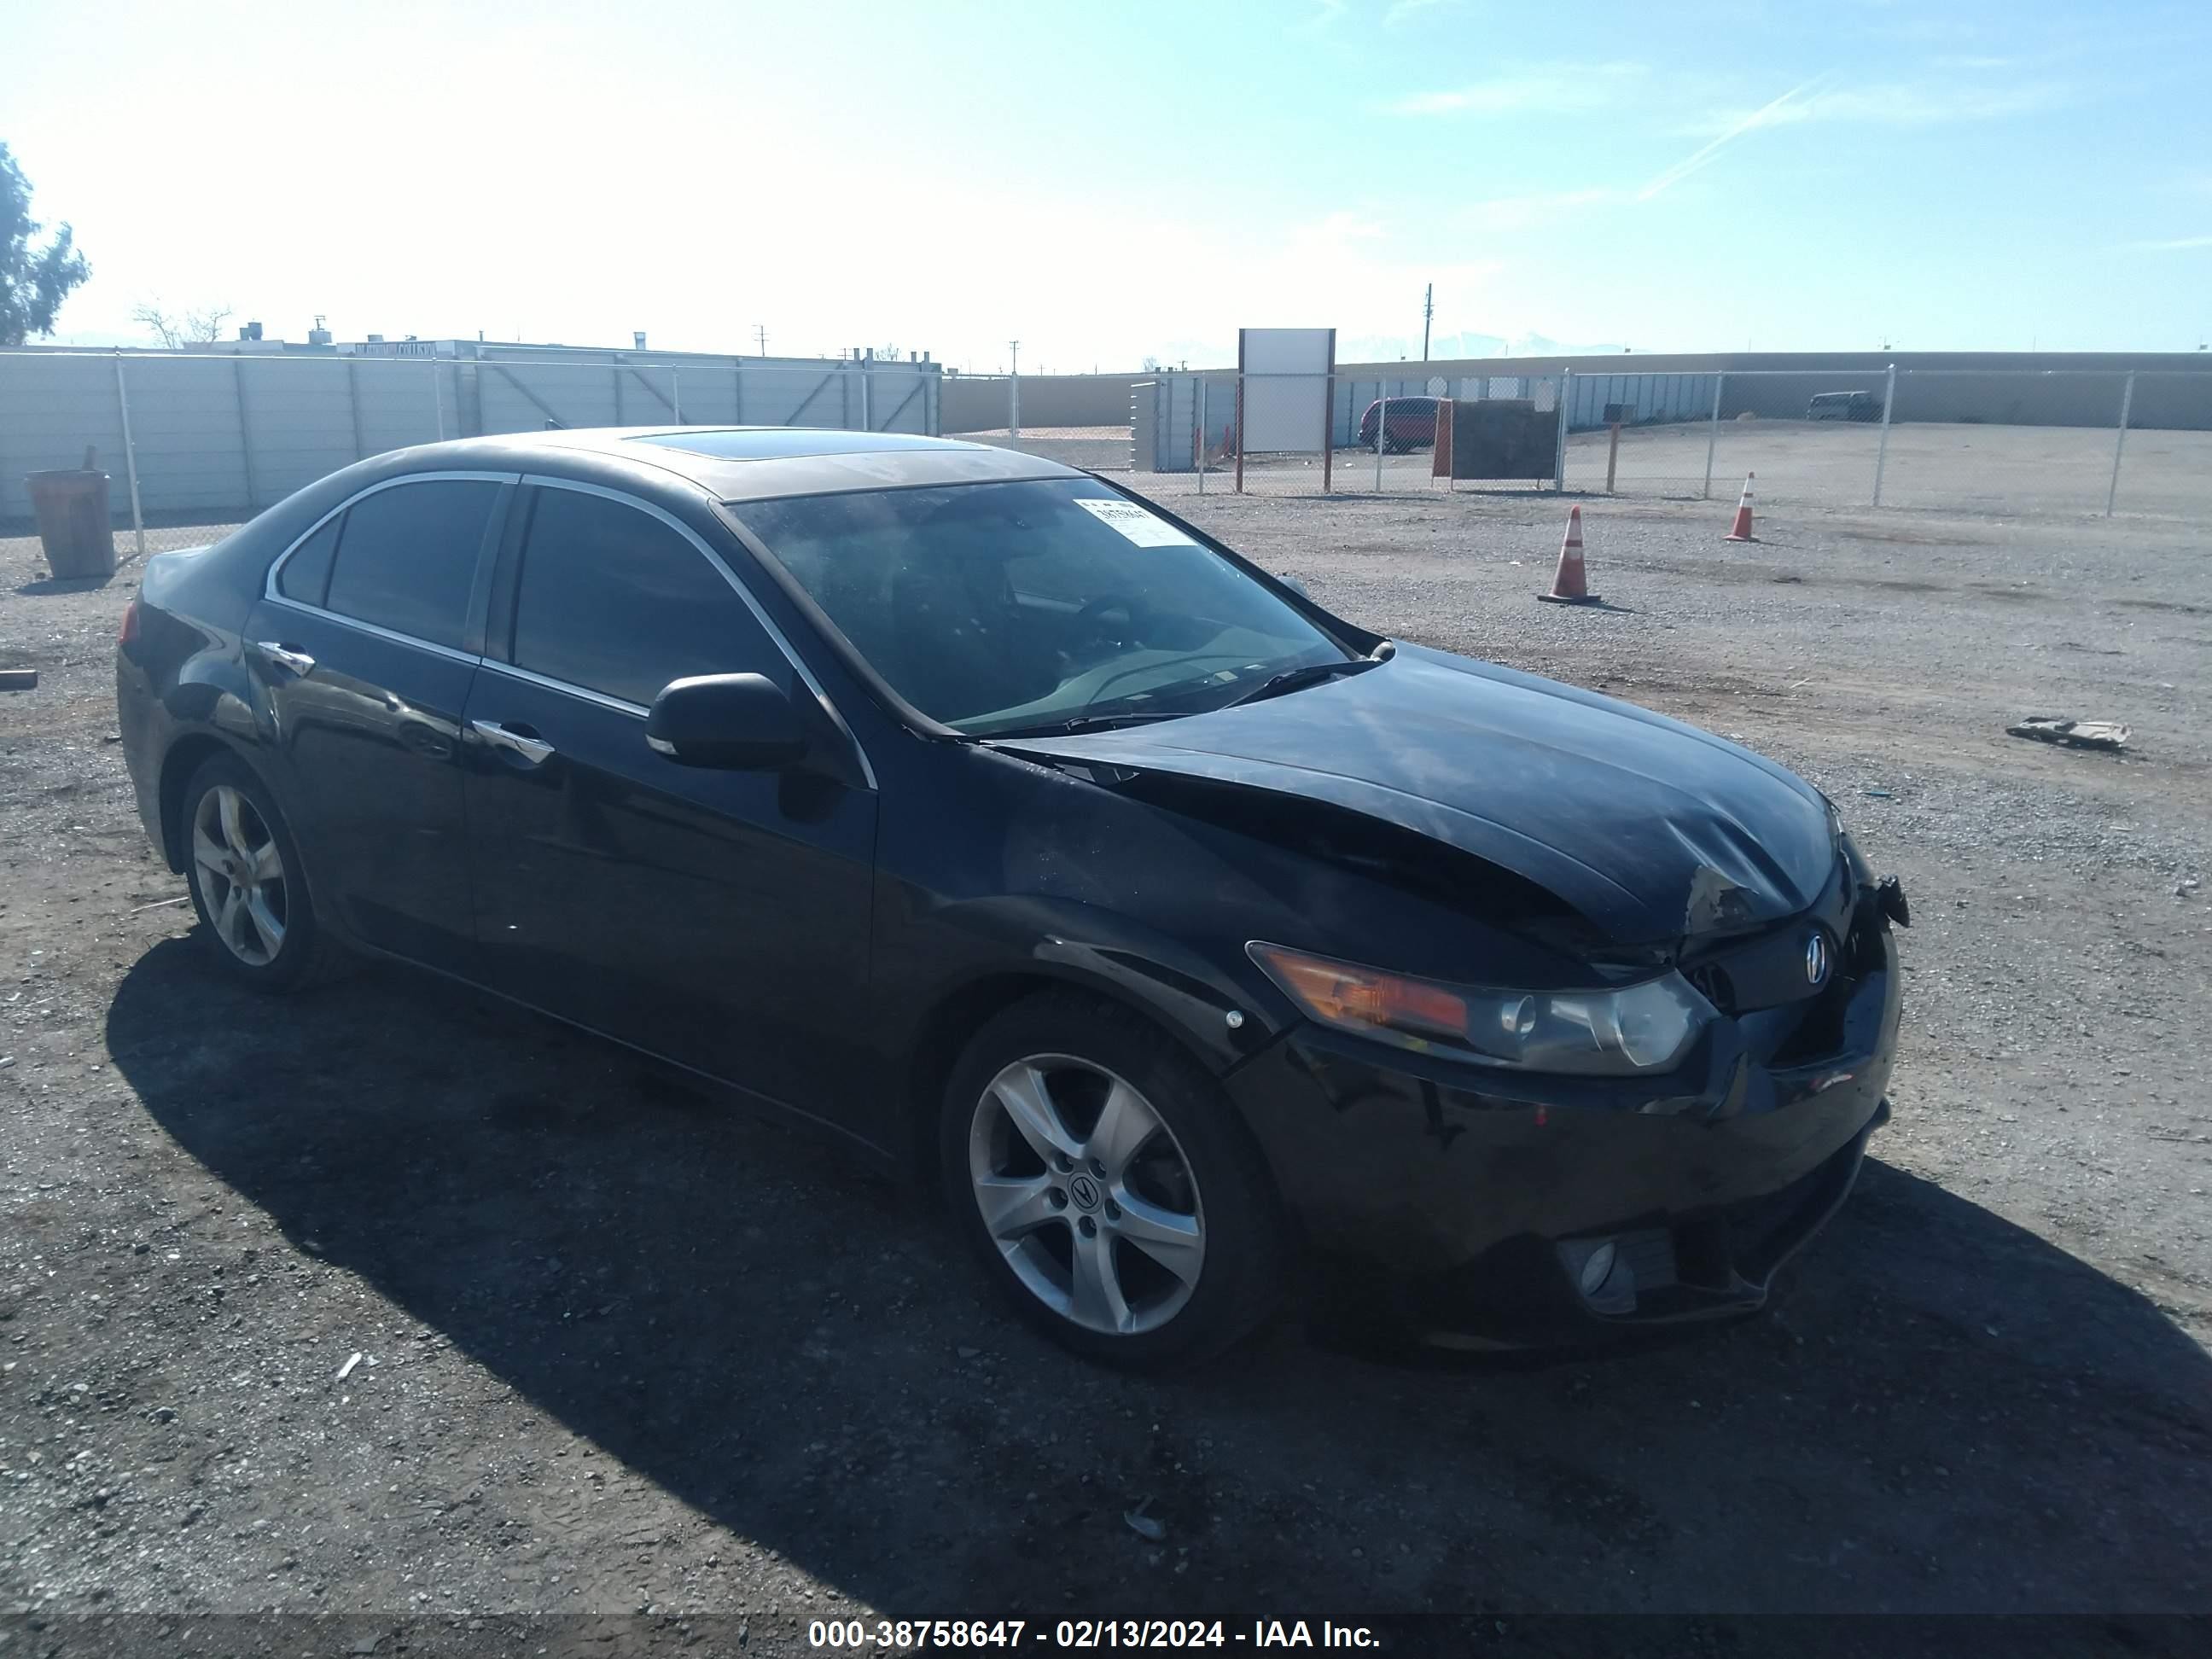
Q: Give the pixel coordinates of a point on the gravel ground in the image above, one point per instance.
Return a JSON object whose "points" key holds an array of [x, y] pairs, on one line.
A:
{"points": [[622, 1350]]}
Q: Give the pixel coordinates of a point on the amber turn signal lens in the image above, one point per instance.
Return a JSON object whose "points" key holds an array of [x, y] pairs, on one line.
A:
{"points": [[1337, 994]]}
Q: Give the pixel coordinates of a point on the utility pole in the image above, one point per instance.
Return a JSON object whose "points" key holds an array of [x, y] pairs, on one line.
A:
{"points": [[1014, 391], [760, 333], [1428, 310]]}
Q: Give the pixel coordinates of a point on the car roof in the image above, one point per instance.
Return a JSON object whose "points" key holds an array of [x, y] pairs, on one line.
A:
{"points": [[756, 463]]}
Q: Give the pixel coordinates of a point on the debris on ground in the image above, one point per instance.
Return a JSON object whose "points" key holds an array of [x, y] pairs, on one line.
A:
{"points": [[346, 1369], [2075, 734], [1143, 1525], [19, 679]]}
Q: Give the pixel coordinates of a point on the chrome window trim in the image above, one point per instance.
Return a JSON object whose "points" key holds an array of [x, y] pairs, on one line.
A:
{"points": [[767, 624], [268, 582], [619, 705], [374, 629]]}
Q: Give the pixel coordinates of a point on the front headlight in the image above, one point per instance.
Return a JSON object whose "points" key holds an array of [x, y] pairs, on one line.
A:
{"points": [[1639, 1028]]}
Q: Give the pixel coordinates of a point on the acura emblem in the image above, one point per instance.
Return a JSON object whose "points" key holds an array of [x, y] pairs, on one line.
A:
{"points": [[1816, 958], [1085, 1192]]}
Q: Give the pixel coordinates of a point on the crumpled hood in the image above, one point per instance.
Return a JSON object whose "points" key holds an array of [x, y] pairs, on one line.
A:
{"points": [[1652, 828]]}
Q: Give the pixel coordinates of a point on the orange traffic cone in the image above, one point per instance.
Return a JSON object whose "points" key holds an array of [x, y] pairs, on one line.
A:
{"points": [[1740, 531], [1570, 586]]}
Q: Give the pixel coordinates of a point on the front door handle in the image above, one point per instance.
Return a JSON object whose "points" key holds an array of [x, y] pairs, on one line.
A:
{"points": [[531, 750], [298, 662]]}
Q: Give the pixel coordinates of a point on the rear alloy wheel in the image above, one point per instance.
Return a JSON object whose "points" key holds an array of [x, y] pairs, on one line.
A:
{"points": [[246, 882], [240, 870], [1107, 1187]]}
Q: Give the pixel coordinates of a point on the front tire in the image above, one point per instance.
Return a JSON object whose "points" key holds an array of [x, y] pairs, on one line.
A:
{"points": [[248, 884], [1106, 1186]]}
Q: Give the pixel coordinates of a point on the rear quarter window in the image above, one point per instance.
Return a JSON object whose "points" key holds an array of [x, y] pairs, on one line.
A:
{"points": [[305, 575]]}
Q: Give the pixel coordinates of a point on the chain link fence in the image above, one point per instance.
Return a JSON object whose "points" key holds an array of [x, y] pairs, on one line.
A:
{"points": [[1999, 442], [1996, 441], [194, 443]]}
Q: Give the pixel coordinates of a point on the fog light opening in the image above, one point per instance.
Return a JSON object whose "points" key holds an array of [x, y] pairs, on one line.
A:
{"points": [[1597, 1268]]}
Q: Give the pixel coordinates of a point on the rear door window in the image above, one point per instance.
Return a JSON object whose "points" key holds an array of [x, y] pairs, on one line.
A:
{"points": [[407, 559], [612, 600]]}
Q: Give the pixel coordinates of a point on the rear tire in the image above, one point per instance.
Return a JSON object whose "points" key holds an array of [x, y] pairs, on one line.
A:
{"points": [[248, 883], [1106, 1186]]}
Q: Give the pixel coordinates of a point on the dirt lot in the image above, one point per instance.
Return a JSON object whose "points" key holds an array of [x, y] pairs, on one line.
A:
{"points": [[623, 1350]]}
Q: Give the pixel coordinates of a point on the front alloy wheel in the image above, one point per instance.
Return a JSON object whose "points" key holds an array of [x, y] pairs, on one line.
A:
{"points": [[1107, 1185], [1086, 1194]]}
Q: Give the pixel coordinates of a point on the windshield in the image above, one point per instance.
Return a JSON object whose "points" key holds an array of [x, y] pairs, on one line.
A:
{"points": [[996, 608]]}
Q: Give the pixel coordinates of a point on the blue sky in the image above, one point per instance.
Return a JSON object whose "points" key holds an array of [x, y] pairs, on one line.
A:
{"points": [[1112, 182]]}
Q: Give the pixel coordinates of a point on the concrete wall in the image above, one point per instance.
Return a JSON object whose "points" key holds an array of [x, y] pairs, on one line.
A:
{"points": [[227, 435], [977, 403]]}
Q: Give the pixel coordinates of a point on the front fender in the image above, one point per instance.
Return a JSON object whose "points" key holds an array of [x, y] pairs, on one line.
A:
{"points": [[1005, 940]]}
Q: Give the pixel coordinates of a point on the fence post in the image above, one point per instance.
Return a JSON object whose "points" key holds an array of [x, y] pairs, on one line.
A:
{"points": [[245, 432], [1328, 437], [738, 389], [1202, 434], [1712, 438], [1881, 455], [437, 400], [1382, 431], [2127, 402], [353, 403], [1240, 419], [867, 404], [618, 394], [1014, 404], [675, 394], [1559, 462], [130, 455]]}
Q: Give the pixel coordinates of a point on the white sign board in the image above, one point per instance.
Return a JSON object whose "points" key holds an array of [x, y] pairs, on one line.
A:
{"points": [[1286, 378]]}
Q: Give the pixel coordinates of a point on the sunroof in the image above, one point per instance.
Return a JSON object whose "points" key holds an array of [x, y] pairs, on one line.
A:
{"points": [[767, 443]]}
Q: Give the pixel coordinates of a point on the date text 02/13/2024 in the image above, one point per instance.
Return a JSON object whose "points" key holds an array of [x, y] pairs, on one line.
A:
{"points": [[1080, 1634]]}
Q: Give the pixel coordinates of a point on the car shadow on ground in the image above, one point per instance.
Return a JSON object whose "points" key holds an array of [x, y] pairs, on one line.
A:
{"points": [[1947, 1413]]}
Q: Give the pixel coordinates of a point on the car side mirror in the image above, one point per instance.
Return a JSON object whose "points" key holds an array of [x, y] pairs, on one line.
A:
{"points": [[731, 722]]}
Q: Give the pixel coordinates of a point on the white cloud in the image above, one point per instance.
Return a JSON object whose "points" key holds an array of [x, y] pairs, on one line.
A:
{"points": [[1911, 104], [1529, 89], [1767, 115], [2174, 245], [1406, 11]]}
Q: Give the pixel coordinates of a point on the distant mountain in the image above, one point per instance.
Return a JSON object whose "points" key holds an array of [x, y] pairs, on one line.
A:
{"points": [[1385, 348]]}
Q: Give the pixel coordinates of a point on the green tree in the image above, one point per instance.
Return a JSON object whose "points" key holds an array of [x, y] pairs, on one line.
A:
{"points": [[33, 280]]}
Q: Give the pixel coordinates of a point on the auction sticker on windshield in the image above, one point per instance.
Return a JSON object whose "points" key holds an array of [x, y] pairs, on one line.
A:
{"points": [[1132, 521]]}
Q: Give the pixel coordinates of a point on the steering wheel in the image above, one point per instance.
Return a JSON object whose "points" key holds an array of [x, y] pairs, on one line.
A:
{"points": [[1091, 621]]}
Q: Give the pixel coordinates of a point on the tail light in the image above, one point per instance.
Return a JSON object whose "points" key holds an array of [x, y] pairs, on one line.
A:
{"points": [[128, 634]]}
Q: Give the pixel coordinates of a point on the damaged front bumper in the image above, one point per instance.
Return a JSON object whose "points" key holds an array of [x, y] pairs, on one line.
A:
{"points": [[1485, 1207]]}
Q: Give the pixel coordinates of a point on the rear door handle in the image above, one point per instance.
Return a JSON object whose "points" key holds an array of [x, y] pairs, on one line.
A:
{"points": [[525, 746], [298, 662]]}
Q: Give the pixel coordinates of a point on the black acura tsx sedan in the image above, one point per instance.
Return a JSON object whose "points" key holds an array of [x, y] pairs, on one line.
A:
{"points": [[1205, 946]]}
